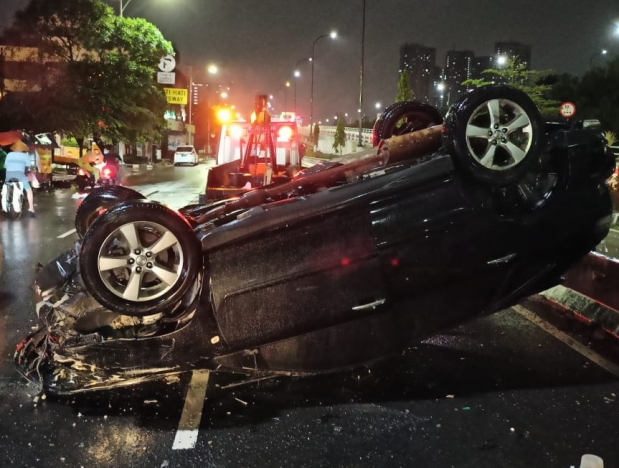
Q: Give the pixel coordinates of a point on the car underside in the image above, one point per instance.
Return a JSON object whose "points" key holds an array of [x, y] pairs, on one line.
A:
{"points": [[337, 266]]}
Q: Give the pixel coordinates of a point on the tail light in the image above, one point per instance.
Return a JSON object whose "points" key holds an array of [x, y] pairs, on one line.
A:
{"points": [[107, 172], [285, 133], [81, 172]]}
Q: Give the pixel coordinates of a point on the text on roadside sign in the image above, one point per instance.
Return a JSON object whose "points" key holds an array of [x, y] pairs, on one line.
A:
{"points": [[176, 95]]}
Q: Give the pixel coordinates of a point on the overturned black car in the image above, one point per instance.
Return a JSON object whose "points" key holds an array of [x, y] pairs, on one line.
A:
{"points": [[340, 265]]}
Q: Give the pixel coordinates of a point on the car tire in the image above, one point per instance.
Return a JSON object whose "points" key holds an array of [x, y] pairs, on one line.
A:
{"points": [[494, 133], [126, 270], [99, 200], [404, 117]]}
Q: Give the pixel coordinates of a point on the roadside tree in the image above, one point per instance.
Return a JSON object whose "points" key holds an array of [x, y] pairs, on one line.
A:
{"points": [[339, 139], [598, 95], [316, 134], [405, 93], [99, 71], [515, 74]]}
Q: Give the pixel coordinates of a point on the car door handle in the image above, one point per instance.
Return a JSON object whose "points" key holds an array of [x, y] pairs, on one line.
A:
{"points": [[370, 305]]}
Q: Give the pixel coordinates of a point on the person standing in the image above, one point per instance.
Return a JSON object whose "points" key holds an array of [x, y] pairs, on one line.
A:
{"points": [[17, 160]]}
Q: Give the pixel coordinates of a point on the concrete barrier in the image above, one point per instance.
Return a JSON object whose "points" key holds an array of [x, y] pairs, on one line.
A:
{"points": [[591, 291]]}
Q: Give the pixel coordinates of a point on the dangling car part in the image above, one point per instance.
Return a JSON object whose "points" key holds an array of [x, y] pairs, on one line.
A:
{"points": [[339, 266]]}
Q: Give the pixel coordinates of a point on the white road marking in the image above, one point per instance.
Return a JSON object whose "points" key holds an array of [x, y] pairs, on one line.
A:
{"points": [[66, 234], [568, 340], [189, 425]]}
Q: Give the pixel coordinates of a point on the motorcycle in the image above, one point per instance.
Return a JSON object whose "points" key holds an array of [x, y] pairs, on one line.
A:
{"points": [[108, 175], [12, 199], [84, 179]]}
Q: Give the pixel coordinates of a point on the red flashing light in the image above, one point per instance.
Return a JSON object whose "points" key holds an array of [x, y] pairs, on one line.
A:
{"points": [[345, 261], [107, 172], [285, 133], [395, 262], [81, 172]]}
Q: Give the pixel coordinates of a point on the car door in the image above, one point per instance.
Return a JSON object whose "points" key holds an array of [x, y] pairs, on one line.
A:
{"points": [[296, 278]]}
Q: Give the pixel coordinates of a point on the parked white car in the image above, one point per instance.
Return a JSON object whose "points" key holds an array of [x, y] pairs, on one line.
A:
{"points": [[185, 155]]}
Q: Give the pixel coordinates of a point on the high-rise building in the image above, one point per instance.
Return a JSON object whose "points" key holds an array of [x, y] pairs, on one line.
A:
{"points": [[459, 67], [512, 49], [482, 63], [420, 62]]}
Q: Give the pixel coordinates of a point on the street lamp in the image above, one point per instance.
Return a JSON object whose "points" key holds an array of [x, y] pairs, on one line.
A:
{"points": [[501, 60], [595, 54], [332, 35], [297, 74], [286, 96], [211, 70]]}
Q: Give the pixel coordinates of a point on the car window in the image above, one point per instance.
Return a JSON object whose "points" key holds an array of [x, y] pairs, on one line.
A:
{"points": [[185, 148]]}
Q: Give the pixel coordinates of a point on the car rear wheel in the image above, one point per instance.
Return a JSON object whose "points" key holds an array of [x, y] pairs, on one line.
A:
{"points": [[140, 258], [404, 117], [494, 132], [100, 200]]}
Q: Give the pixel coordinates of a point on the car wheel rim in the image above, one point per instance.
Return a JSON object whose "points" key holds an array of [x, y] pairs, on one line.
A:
{"points": [[499, 134], [140, 261]]}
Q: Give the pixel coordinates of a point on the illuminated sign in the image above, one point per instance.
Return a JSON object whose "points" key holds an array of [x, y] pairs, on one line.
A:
{"points": [[176, 95]]}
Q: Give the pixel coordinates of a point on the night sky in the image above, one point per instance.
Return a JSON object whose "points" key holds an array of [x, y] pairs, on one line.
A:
{"points": [[256, 43]]}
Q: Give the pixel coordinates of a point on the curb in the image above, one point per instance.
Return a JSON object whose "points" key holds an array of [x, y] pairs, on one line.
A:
{"points": [[584, 308]]}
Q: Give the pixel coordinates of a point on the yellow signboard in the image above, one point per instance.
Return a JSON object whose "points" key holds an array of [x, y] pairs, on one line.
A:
{"points": [[45, 160], [176, 95]]}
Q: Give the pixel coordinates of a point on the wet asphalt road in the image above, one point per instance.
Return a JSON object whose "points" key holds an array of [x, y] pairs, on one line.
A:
{"points": [[498, 391]]}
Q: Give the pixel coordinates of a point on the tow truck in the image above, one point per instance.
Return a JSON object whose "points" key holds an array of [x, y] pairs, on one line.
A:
{"points": [[260, 152]]}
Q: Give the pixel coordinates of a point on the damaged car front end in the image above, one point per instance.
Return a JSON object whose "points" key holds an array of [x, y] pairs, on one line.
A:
{"points": [[339, 266]]}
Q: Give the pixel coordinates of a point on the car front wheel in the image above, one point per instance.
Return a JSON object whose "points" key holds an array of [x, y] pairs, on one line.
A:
{"points": [[140, 258], [494, 132]]}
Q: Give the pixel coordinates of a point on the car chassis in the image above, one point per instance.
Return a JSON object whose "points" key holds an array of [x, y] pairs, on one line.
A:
{"points": [[339, 266]]}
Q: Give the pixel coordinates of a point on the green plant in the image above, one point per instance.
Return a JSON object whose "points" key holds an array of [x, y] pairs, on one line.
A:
{"points": [[69, 142], [611, 138]]}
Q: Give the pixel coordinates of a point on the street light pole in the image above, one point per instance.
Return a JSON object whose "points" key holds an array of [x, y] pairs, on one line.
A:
{"points": [[189, 136], [333, 35], [297, 74], [122, 8], [360, 142]]}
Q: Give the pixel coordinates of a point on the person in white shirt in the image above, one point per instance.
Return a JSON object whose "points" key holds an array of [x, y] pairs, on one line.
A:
{"points": [[17, 160]]}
